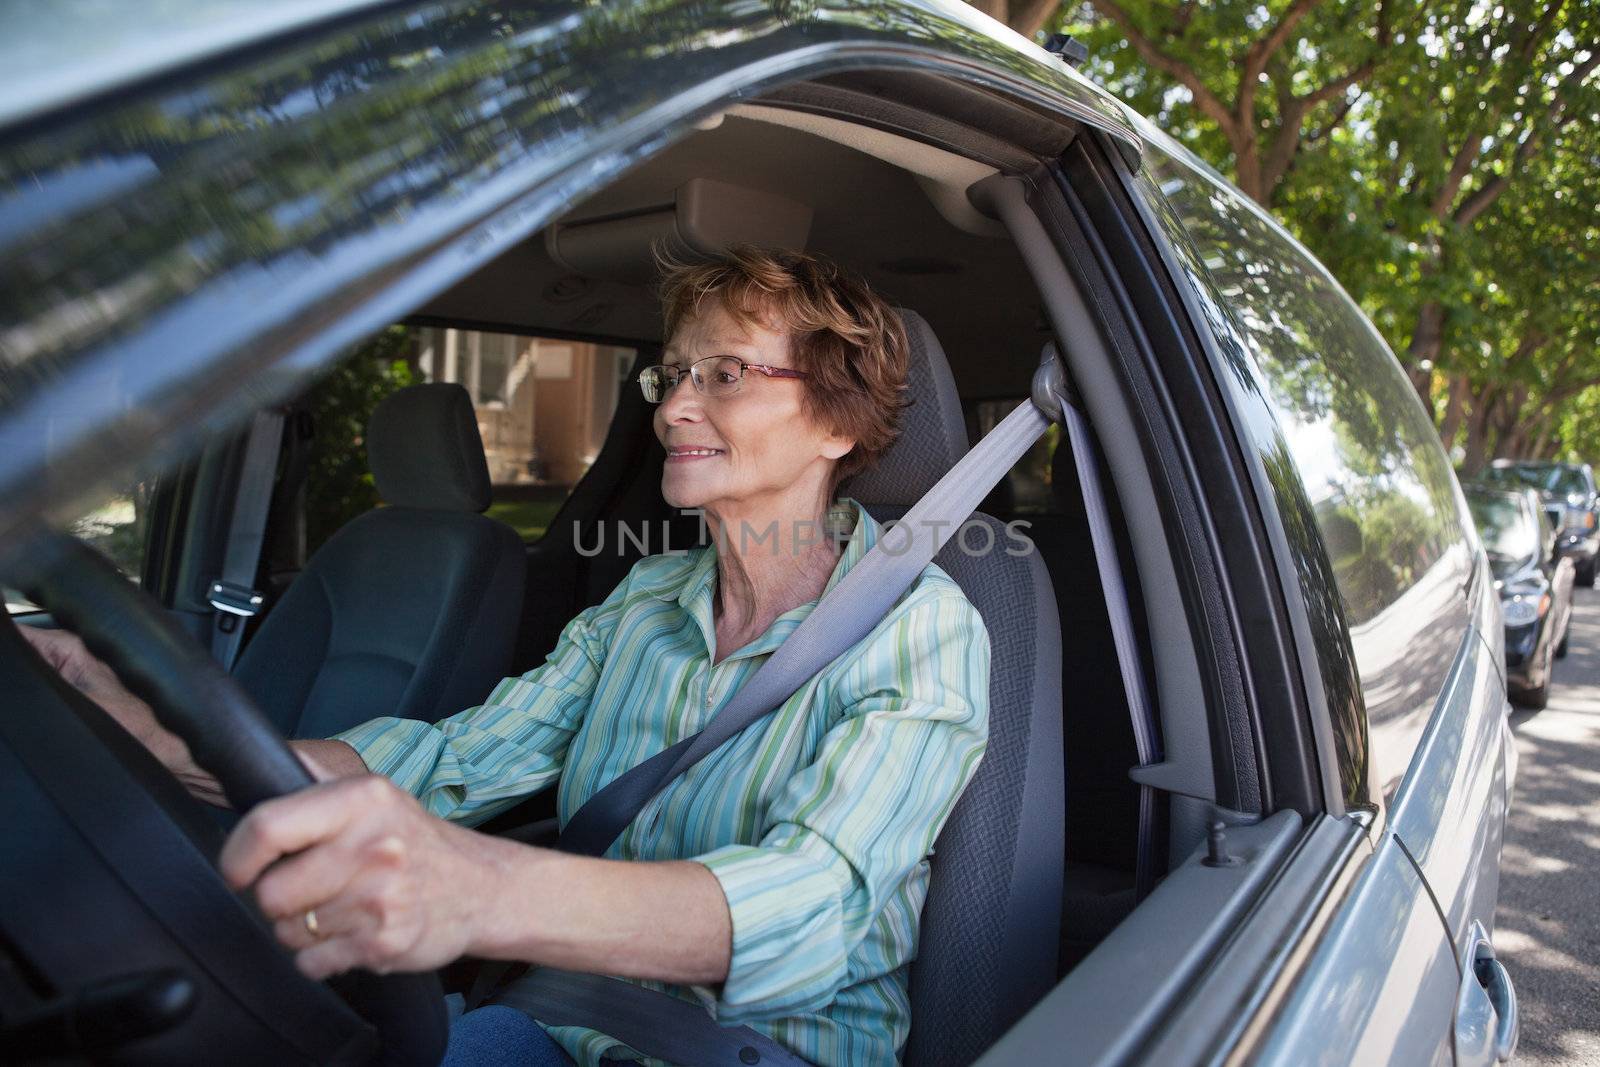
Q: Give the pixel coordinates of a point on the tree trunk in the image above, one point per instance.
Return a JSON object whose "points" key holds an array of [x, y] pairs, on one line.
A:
{"points": [[1455, 410], [1509, 433], [1427, 340], [1477, 448], [1027, 17], [1543, 440]]}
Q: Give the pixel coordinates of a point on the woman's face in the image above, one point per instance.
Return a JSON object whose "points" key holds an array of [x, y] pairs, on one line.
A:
{"points": [[754, 447]]}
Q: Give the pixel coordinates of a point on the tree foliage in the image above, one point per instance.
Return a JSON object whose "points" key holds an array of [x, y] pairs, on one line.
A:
{"points": [[1442, 158], [339, 483]]}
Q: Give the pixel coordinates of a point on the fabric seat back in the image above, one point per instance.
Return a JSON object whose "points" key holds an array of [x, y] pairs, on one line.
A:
{"points": [[987, 950]]}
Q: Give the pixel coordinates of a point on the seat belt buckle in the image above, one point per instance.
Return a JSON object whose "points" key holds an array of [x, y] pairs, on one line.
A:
{"points": [[235, 599]]}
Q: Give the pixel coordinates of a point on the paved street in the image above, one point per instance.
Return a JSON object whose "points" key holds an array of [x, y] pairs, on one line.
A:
{"points": [[1549, 919]]}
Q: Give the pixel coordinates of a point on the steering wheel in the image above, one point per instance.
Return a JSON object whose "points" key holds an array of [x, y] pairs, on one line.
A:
{"points": [[193, 697]]}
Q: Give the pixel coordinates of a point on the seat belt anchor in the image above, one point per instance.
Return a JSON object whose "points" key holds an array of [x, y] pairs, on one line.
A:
{"points": [[1051, 388], [235, 599]]}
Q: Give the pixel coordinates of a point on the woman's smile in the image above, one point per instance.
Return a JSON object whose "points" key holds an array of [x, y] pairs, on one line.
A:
{"points": [[688, 453]]}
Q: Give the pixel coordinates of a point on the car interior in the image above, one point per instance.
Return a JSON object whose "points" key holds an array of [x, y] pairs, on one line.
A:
{"points": [[418, 607]]}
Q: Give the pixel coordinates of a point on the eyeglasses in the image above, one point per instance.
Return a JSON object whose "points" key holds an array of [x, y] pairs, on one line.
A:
{"points": [[712, 376]]}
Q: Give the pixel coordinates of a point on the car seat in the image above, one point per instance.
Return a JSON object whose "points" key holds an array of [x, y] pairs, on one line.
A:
{"points": [[410, 609]]}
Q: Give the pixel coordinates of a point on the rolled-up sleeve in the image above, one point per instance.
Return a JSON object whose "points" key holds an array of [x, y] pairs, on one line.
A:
{"points": [[847, 831], [482, 761]]}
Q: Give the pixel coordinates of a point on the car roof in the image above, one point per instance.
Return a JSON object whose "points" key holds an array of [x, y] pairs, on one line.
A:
{"points": [[89, 48], [1506, 464], [191, 233]]}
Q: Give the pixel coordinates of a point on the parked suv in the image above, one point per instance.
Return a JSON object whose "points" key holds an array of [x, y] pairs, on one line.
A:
{"points": [[1569, 497], [1248, 762]]}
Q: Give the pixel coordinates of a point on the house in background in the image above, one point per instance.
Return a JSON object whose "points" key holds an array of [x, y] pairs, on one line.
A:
{"points": [[543, 404]]}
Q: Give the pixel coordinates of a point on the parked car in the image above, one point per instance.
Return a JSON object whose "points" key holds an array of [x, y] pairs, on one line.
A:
{"points": [[1265, 827], [1535, 585], [1567, 491]]}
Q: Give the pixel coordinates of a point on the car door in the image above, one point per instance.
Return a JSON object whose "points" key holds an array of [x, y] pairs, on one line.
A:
{"points": [[1403, 970]]}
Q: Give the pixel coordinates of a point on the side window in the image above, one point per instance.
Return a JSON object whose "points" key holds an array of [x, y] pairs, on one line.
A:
{"points": [[1360, 445], [118, 527], [543, 405], [1026, 488]]}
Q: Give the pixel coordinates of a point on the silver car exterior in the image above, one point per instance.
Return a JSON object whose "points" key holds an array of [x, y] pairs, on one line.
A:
{"points": [[1404, 973]]}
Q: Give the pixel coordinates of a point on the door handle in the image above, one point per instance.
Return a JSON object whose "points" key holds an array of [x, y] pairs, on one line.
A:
{"points": [[1486, 1024]]}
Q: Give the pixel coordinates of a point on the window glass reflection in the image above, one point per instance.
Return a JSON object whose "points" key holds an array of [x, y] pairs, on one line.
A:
{"points": [[1361, 447]]}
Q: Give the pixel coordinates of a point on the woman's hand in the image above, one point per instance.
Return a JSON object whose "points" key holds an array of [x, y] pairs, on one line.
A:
{"points": [[86, 673], [90, 675], [393, 888]]}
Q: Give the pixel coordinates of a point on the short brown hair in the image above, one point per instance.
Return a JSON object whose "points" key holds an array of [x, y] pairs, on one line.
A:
{"points": [[848, 340]]}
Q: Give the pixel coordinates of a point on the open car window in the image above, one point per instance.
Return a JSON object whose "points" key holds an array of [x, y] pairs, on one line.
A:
{"points": [[543, 406]]}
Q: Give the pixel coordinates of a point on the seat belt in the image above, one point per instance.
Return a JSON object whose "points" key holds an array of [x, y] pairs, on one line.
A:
{"points": [[1146, 739], [646, 1020], [233, 595], [847, 614]]}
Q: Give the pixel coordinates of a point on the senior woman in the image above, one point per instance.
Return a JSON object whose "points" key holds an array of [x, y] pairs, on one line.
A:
{"points": [[779, 882]]}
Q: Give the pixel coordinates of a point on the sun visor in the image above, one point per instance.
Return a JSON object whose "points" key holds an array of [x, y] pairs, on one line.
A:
{"points": [[705, 218]]}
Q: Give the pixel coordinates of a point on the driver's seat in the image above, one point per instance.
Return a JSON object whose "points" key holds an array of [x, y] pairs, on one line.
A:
{"points": [[410, 609], [990, 926]]}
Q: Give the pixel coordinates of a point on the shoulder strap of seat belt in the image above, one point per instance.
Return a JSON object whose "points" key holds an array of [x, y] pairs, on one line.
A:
{"points": [[846, 615], [233, 595], [1146, 739]]}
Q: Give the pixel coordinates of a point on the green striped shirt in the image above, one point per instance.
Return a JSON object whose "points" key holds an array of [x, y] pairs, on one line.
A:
{"points": [[817, 820]]}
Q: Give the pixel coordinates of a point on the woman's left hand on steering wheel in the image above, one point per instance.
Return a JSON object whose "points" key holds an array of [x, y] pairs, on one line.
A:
{"points": [[354, 873]]}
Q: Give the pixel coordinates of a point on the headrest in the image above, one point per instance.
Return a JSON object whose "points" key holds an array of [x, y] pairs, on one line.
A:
{"points": [[425, 452], [933, 433]]}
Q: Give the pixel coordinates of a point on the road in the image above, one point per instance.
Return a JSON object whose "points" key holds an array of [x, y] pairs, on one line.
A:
{"points": [[1548, 924]]}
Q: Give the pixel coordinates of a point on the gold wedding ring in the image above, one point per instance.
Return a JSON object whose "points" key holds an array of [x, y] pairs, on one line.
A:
{"points": [[311, 923]]}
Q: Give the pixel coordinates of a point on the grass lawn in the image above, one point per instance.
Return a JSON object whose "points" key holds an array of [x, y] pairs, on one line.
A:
{"points": [[530, 518]]}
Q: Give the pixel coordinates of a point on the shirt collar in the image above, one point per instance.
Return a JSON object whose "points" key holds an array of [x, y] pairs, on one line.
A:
{"points": [[694, 584]]}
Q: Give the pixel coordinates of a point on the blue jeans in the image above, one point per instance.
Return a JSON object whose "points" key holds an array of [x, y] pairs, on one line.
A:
{"points": [[498, 1036]]}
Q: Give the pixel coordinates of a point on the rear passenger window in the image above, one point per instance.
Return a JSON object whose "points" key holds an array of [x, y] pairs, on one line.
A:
{"points": [[543, 407], [1359, 443], [118, 527]]}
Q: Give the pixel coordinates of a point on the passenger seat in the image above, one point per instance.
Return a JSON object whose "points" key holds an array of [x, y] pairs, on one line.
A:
{"points": [[410, 610]]}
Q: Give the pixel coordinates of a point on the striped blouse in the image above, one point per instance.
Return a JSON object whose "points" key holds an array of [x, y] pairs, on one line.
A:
{"points": [[817, 820]]}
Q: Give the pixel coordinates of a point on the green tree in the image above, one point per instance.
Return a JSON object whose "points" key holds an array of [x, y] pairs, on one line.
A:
{"points": [[339, 483], [1439, 157], [1248, 85]]}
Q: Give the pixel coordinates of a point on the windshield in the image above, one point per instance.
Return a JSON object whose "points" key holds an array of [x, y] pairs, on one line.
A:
{"points": [[1509, 533], [1556, 478]]}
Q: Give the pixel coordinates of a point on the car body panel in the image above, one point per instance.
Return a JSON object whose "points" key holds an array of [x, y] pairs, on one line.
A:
{"points": [[1450, 810], [1380, 987], [259, 257]]}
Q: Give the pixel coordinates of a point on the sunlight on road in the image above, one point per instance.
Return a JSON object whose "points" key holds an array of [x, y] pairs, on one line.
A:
{"points": [[1549, 917]]}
